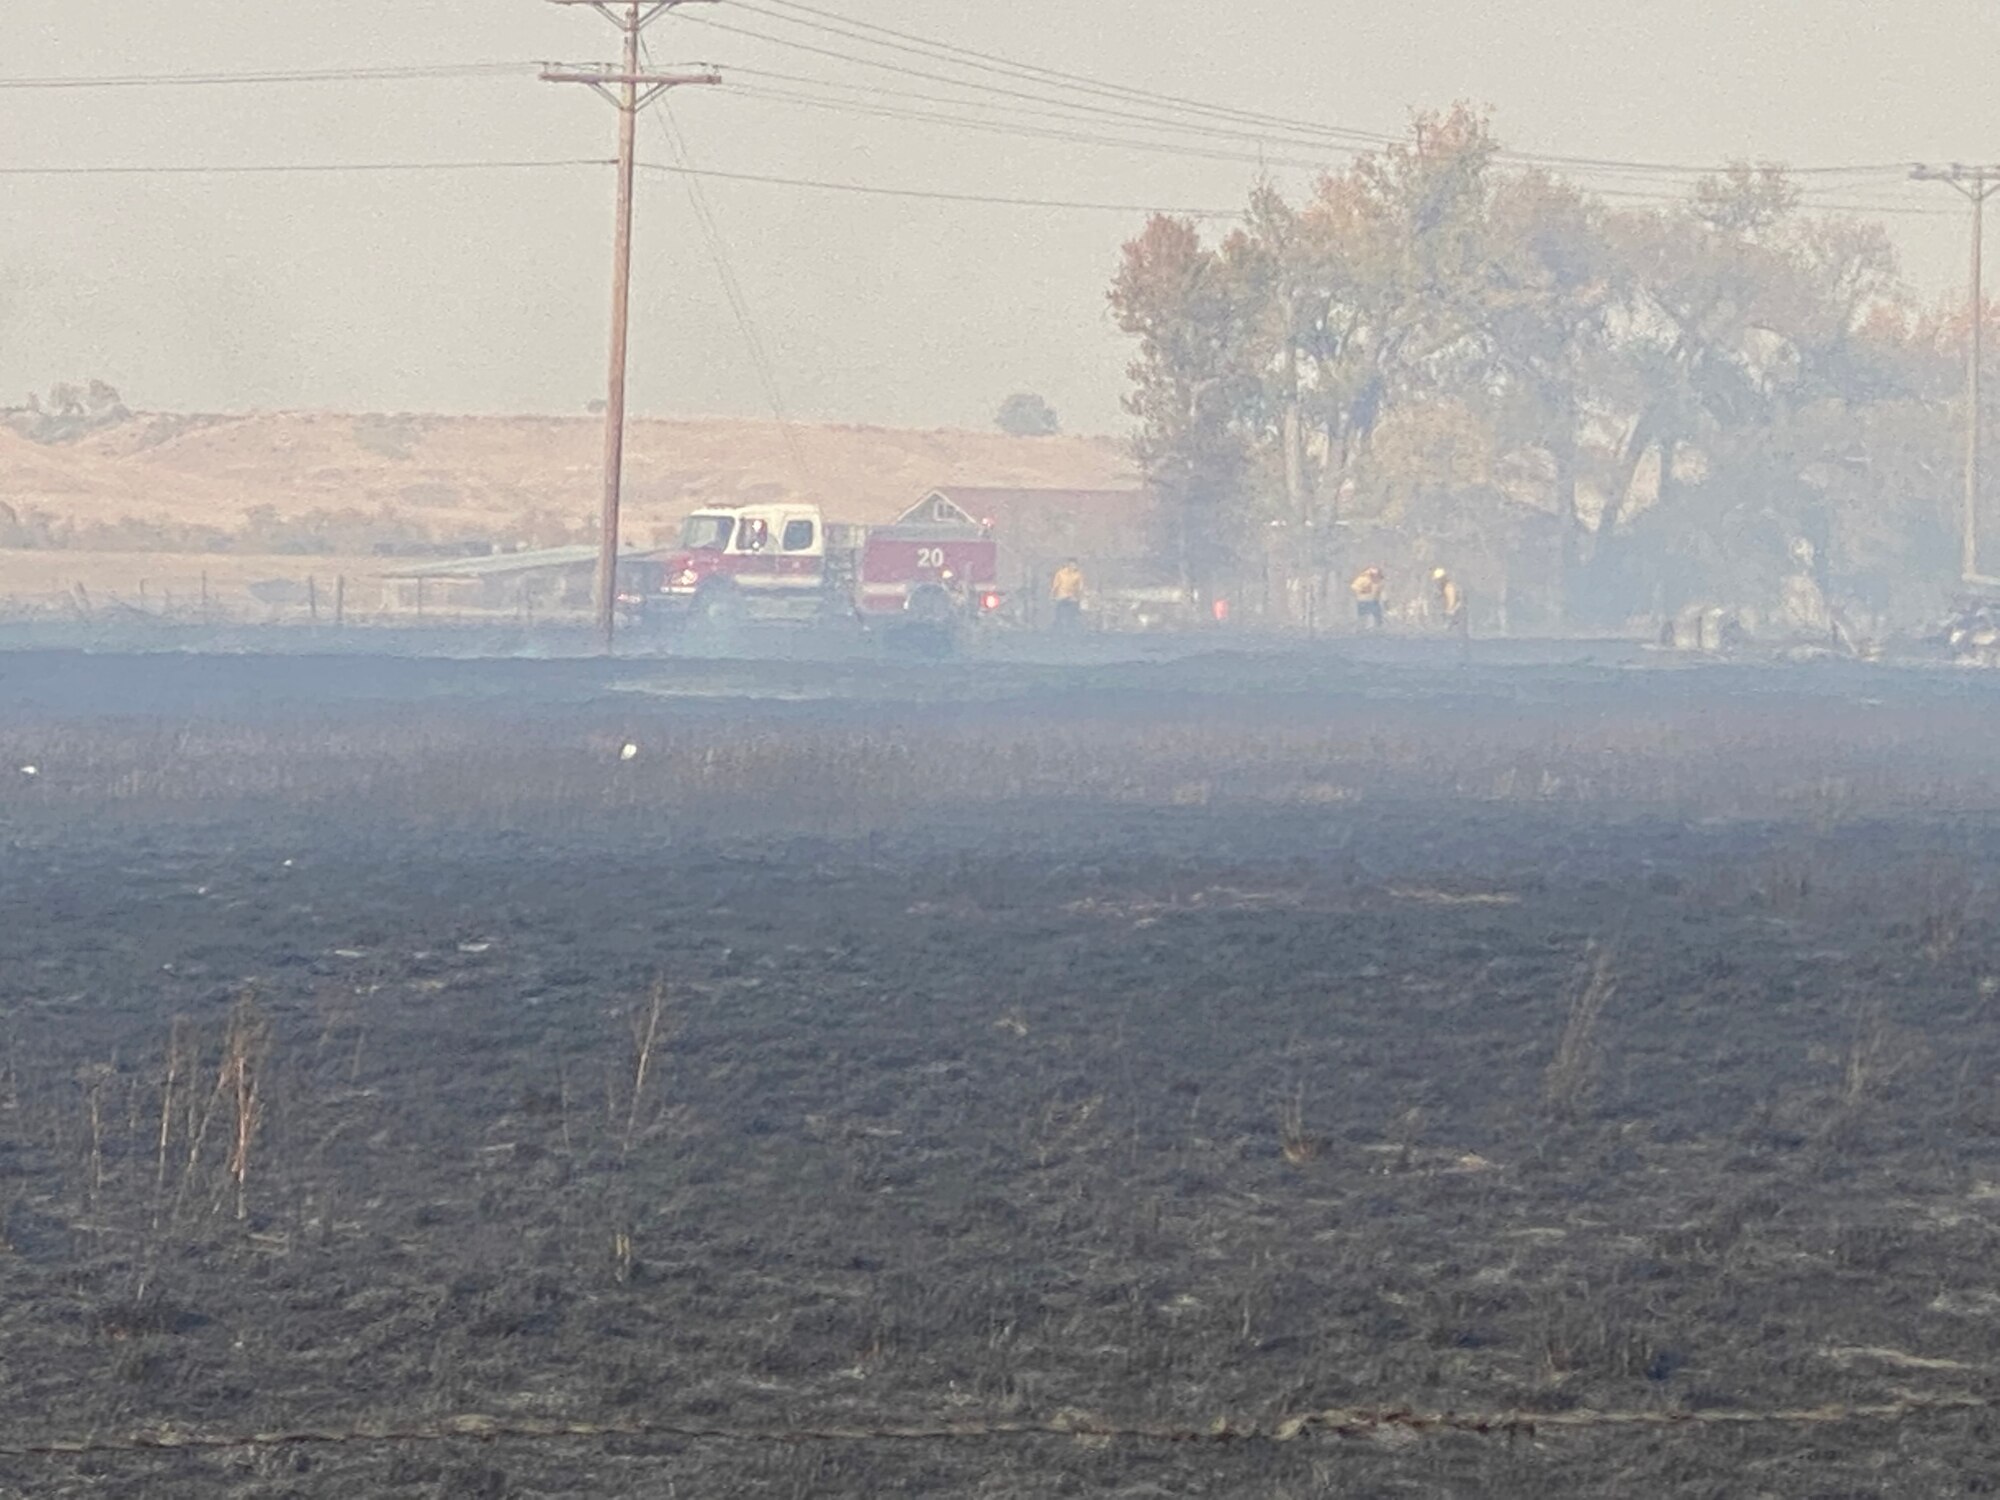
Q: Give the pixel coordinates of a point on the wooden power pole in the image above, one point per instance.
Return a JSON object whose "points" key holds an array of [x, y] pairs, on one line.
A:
{"points": [[629, 91], [1976, 185]]}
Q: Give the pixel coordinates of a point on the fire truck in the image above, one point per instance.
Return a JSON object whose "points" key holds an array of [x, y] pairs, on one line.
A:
{"points": [[933, 566]]}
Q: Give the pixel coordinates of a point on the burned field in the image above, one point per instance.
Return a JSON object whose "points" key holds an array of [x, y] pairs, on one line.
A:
{"points": [[1158, 1050]]}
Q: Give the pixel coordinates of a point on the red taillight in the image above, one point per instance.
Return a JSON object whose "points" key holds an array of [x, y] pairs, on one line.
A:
{"points": [[989, 601]]}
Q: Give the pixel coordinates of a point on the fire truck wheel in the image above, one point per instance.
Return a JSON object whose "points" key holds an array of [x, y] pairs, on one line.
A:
{"points": [[719, 604], [929, 605]]}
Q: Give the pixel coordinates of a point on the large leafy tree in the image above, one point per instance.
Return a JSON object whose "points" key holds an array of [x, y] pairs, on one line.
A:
{"points": [[1193, 392], [1364, 297], [1438, 345]]}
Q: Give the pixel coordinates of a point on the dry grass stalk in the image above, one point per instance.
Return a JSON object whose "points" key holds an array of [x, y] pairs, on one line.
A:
{"points": [[10, 1082], [238, 1090], [243, 1054], [97, 1075], [1862, 1065], [1298, 1144], [200, 1115], [562, 1100], [621, 1256], [646, 1037], [1570, 1079], [169, 1087]]}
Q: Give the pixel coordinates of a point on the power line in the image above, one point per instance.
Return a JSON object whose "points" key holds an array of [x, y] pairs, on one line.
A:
{"points": [[1157, 110], [312, 75], [926, 195], [1031, 132], [910, 42], [629, 91], [905, 71], [1177, 149], [283, 169], [1077, 205], [732, 289], [1049, 108], [968, 59], [1662, 194], [762, 179], [1975, 185], [739, 302], [1272, 128]]}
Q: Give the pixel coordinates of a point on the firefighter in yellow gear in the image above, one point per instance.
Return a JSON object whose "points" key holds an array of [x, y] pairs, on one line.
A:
{"points": [[1370, 589], [1066, 589]]}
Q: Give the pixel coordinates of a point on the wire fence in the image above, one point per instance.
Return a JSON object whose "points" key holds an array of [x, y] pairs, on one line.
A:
{"points": [[1334, 1423]]}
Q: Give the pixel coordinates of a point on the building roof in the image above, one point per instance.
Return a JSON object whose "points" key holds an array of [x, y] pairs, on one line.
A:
{"points": [[986, 501], [501, 564], [1041, 523]]}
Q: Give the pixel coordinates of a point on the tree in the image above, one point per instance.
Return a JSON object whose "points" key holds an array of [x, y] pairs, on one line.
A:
{"points": [[1435, 353], [1361, 298], [68, 412], [1756, 387], [1193, 384], [1025, 414], [1553, 285]]}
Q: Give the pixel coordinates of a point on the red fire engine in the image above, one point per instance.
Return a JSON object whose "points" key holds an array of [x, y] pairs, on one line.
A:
{"points": [[931, 566]]}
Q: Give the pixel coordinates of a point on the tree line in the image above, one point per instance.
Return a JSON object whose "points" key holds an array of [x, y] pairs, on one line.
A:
{"points": [[1596, 411]]}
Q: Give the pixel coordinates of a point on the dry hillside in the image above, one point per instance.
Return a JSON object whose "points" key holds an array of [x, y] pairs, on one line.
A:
{"points": [[508, 478]]}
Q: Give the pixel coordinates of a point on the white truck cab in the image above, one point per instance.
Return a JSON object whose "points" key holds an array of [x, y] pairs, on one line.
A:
{"points": [[755, 531]]}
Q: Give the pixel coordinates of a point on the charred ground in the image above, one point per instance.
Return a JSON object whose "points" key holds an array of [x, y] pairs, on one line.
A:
{"points": [[1160, 1044]]}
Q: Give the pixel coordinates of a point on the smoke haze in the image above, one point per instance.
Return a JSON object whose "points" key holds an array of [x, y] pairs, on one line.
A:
{"points": [[485, 290]]}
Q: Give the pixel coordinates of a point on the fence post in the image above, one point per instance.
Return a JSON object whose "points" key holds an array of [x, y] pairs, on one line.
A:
{"points": [[312, 598], [339, 600]]}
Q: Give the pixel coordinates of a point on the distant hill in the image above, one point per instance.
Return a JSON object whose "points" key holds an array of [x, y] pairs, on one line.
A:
{"points": [[508, 479]]}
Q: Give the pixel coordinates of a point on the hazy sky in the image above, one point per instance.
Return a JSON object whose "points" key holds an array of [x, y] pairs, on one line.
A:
{"points": [[487, 291]]}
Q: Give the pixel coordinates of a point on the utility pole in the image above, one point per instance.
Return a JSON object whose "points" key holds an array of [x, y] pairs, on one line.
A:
{"points": [[629, 91], [1975, 185]]}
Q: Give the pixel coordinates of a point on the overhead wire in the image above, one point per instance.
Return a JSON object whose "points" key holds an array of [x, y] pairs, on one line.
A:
{"points": [[1328, 151], [711, 173], [1128, 105], [903, 70], [927, 195], [732, 289], [1182, 114], [1258, 159], [833, 23], [1046, 106], [1029, 131], [998, 200], [1177, 113], [1034, 104], [907, 43], [271, 169], [303, 75], [1663, 193]]}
